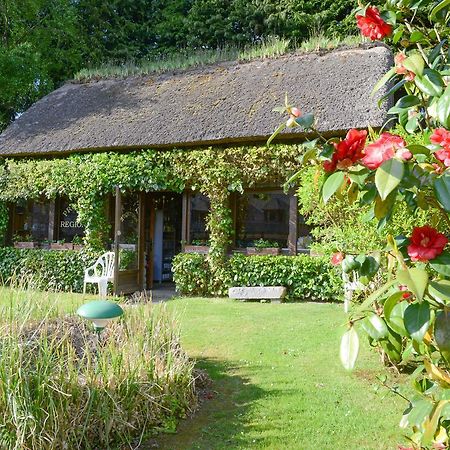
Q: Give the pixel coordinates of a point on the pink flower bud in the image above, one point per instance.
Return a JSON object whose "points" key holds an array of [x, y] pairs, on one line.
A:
{"points": [[295, 112]]}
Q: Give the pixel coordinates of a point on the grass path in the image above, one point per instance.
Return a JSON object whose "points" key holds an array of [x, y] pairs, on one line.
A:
{"points": [[278, 381]]}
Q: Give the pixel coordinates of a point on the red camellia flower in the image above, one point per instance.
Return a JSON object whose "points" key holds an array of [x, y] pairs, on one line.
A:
{"points": [[372, 25], [441, 137], [337, 258], [384, 148], [426, 243], [348, 151]]}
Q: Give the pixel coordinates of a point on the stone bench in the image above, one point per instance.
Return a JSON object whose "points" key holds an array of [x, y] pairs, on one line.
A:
{"points": [[273, 293]]}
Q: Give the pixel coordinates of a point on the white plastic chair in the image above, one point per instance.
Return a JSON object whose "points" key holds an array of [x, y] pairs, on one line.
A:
{"points": [[100, 272], [351, 284]]}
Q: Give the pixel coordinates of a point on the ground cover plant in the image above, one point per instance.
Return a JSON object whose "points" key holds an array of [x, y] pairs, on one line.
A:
{"points": [[62, 387], [408, 317]]}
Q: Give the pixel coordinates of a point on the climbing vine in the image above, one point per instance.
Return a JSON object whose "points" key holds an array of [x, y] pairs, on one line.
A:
{"points": [[86, 179]]}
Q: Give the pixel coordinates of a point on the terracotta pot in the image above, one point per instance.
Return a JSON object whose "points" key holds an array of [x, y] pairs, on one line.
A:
{"points": [[263, 251]]}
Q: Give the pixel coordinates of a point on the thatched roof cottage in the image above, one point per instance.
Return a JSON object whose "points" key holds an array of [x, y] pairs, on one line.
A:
{"points": [[221, 112]]}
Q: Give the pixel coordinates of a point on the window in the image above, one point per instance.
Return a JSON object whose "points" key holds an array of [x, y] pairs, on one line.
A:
{"points": [[199, 209], [31, 220], [262, 215], [67, 225]]}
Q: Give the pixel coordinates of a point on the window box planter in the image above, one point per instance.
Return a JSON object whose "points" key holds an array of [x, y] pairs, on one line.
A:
{"points": [[202, 249], [263, 251], [26, 244], [78, 247], [58, 246]]}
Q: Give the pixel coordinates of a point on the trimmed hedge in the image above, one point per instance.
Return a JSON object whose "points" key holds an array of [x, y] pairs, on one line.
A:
{"points": [[306, 278], [44, 269]]}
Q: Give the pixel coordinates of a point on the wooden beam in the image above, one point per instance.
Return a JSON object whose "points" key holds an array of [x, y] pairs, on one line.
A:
{"points": [[52, 220], [141, 241], [117, 237], [185, 219], [293, 224]]}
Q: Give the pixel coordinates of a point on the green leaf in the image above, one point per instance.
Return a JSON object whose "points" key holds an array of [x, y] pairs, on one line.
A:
{"points": [[383, 80], [375, 295], [397, 36], [441, 264], [390, 303], [436, 51], [369, 267], [408, 101], [440, 291], [388, 176], [430, 83], [417, 413], [415, 279], [417, 320], [375, 327], [391, 91], [416, 36], [332, 184], [412, 124], [442, 331], [439, 7], [275, 133], [395, 321], [415, 64], [441, 189], [417, 149], [306, 120], [349, 348], [359, 177], [443, 108]]}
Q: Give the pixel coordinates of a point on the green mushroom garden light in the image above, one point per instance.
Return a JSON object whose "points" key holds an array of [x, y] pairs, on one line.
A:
{"points": [[100, 313]]}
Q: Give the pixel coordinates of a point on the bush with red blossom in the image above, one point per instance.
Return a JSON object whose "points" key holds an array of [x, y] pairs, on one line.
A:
{"points": [[408, 317]]}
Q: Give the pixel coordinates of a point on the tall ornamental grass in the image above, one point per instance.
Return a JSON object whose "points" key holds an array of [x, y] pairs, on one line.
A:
{"points": [[62, 388]]}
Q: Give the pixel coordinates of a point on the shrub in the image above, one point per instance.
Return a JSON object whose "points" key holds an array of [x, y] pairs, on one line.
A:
{"points": [[306, 278], [46, 270], [74, 392], [191, 274]]}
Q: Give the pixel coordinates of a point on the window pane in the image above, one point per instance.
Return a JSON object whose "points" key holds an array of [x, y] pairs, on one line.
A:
{"points": [[31, 220], [262, 215], [128, 254], [199, 212], [69, 227]]}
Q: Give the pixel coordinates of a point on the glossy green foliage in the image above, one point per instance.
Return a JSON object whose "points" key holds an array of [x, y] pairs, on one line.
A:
{"points": [[306, 278]]}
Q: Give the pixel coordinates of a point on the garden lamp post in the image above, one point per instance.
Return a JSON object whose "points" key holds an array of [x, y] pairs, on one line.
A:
{"points": [[100, 313]]}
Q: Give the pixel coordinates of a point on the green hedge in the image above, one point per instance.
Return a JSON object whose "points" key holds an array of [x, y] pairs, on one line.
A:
{"points": [[44, 269], [306, 278]]}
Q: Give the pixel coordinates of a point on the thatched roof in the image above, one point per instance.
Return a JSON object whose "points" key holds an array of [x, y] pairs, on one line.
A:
{"points": [[215, 105]]}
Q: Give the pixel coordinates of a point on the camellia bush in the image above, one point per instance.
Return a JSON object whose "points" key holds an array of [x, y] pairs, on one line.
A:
{"points": [[408, 317]]}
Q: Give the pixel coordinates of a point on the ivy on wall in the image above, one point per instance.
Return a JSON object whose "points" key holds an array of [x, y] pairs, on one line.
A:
{"points": [[86, 179]]}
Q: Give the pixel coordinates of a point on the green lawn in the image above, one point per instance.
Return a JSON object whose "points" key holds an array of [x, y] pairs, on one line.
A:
{"points": [[278, 380]]}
